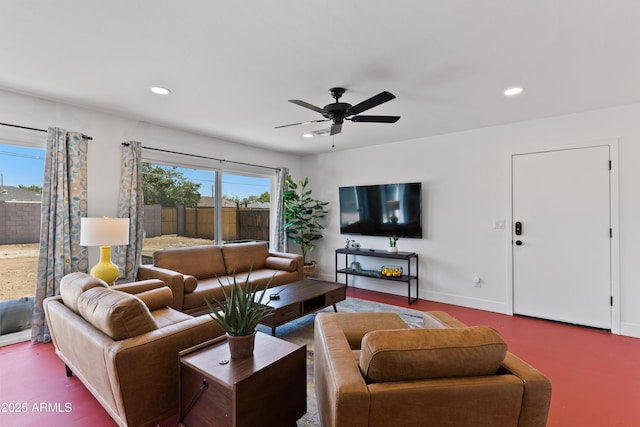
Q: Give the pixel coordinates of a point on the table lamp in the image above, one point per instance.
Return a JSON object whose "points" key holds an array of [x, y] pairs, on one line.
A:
{"points": [[104, 232]]}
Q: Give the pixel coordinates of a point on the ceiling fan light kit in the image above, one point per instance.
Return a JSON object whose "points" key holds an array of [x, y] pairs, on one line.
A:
{"points": [[337, 112]]}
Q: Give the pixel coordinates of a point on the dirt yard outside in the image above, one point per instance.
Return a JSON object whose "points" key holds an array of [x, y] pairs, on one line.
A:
{"points": [[18, 263]]}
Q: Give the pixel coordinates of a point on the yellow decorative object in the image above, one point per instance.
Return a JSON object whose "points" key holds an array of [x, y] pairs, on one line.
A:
{"points": [[104, 232], [391, 271], [105, 269]]}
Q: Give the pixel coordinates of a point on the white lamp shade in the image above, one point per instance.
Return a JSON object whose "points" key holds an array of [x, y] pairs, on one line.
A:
{"points": [[104, 231]]}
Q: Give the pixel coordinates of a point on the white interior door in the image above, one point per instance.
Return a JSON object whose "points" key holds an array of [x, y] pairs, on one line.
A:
{"points": [[562, 258]]}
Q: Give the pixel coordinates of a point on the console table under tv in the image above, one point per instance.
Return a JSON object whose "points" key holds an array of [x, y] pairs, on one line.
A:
{"points": [[407, 257]]}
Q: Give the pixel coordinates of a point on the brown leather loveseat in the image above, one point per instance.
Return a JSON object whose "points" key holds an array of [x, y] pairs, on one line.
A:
{"points": [[123, 342], [371, 369], [192, 273]]}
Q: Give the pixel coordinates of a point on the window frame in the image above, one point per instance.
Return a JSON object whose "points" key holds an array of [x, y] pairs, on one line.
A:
{"points": [[194, 162]]}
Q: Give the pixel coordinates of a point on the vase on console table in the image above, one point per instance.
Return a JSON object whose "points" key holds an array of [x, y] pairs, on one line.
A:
{"points": [[393, 242]]}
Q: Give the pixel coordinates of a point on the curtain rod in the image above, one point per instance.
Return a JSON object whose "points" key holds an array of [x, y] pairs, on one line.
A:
{"points": [[38, 130], [126, 144]]}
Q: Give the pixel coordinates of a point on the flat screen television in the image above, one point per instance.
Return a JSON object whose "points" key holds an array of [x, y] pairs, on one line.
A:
{"points": [[382, 210]]}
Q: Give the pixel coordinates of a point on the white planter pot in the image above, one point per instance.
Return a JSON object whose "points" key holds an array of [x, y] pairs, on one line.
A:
{"points": [[392, 249]]}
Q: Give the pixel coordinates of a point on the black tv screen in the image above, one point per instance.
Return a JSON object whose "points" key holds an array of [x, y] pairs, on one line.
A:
{"points": [[382, 210]]}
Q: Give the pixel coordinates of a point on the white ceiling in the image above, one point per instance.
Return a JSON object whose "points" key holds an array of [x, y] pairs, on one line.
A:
{"points": [[232, 65]]}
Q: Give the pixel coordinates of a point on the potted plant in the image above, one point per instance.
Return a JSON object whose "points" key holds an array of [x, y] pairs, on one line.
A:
{"points": [[393, 242], [302, 214], [239, 314]]}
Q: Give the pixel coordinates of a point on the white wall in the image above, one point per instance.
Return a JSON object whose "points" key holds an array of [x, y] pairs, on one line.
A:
{"points": [[464, 178], [465, 184], [108, 132]]}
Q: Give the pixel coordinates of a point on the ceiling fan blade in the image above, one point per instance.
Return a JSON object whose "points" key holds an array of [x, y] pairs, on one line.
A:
{"points": [[307, 105], [375, 119], [302, 123], [336, 128], [374, 101]]}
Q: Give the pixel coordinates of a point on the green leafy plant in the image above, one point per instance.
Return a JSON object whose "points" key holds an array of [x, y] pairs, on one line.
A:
{"points": [[393, 240], [242, 308], [302, 214]]}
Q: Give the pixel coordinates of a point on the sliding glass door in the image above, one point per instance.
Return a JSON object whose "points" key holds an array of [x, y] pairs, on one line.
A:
{"points": [[189, 206]]}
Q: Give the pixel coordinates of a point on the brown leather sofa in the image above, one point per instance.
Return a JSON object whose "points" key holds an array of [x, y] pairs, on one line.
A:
{"points": [[371, 369], [123, 342], [192, 273]]}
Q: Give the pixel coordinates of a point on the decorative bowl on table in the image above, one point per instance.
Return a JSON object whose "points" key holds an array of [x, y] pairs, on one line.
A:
{"points": [[391, 271]]}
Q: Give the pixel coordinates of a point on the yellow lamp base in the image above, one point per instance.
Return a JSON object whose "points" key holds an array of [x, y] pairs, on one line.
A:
{"points": [[105, 269]]}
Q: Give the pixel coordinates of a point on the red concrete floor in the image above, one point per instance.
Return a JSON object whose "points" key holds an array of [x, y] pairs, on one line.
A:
{"points": [[595, 375]]}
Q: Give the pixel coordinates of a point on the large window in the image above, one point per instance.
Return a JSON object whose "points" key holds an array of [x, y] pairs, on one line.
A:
{"points": [[188, 206], [21, 174]]}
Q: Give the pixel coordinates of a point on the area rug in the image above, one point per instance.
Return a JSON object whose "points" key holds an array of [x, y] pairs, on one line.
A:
{"points": [[300, 332]]}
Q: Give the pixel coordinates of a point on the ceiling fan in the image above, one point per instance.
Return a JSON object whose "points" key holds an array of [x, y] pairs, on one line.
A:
{"points": [[338, 111]]}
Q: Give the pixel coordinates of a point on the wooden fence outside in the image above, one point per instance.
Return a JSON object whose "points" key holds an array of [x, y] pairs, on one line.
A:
{"points": [[237, 224], [169, 221]]}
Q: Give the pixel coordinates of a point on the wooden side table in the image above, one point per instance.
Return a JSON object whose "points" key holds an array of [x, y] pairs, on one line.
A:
{"points": [[267, 389]]}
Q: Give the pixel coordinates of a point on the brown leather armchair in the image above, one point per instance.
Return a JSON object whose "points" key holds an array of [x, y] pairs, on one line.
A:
{"points": [[371, 369], [122, 342]]}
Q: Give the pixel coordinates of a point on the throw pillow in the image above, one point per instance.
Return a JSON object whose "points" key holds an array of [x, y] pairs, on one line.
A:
{"points": [[414, 354]]}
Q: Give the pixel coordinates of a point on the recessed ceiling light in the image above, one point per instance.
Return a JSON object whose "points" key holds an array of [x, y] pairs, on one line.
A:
{"points": [[514, 91], [160, 90], [307, 135]]}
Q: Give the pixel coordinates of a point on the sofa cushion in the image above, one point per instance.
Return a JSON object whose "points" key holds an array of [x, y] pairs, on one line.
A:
{"points": [[168, 316], [207, 288], [117, 314], [356, 325], [190, 283], [277, 263], [74, 284], [264, 277], [414, 354], [241, 257], [199, 261], [156, 298]]}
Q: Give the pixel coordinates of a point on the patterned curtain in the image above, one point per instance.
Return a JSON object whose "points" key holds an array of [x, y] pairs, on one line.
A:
{"points": [[64, 202], [131, 205], [280, 236]]}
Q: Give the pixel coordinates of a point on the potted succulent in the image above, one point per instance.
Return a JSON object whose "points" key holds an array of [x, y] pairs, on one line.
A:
{"points": [[243, 308], [302, 214], [393, 244]]}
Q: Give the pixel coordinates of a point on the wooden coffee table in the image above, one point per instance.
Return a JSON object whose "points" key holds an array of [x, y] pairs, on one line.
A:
{"points": [[265, 390], [298, 299]]}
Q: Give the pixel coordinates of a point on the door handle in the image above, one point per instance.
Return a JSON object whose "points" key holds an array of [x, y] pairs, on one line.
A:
{"points": [[518, 242]]}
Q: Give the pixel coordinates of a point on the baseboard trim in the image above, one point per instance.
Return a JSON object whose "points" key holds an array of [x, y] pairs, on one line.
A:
{"points": [[476, 303], [15, 337], [630, 329], [393, 289]]}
